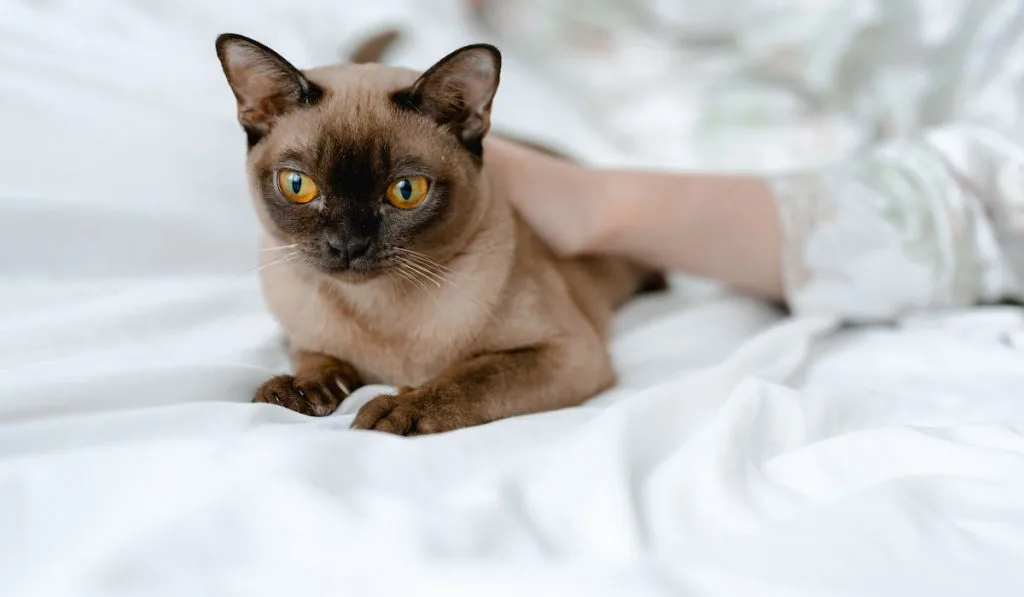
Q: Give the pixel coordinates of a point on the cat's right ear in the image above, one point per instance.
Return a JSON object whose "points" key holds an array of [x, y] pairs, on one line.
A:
{"points": [[265, 84], [457, 93]]}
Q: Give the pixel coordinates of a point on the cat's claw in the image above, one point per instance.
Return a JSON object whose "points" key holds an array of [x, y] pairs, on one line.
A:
{"points": [[316, 396]]}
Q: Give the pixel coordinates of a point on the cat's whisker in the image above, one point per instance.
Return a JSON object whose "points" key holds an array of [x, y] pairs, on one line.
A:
{"points": [[280, 248], [447, 280], [423, 258], [410, 279], [412, 275], [423, 263], [400, 270], [431, 267], [420, 272], [286, 259], [426, 282], [420, 283], [412, 252], [440, 277], [441, 274], [446, 277], [427, 274], [417, 279], [393, 277]]}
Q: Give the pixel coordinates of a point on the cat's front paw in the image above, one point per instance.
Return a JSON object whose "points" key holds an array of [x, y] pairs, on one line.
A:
{"points": [[316, 395], [418, 412]]}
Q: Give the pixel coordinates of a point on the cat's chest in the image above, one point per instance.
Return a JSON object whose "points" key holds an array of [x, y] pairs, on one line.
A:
{"points": [[399, 341]]}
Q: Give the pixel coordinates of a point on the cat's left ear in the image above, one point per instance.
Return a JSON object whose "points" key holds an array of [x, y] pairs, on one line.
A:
{"points": [[457, 92], [266, 85]]}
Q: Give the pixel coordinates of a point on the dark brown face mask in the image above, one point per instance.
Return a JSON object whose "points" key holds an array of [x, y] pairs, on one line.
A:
{"points": [[359, 166]]}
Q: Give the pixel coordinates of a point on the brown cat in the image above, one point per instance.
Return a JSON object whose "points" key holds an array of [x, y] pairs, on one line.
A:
{"points": [[390, 256]]}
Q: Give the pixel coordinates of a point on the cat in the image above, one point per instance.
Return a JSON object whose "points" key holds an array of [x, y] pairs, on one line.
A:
{"points": [[390, 256]]}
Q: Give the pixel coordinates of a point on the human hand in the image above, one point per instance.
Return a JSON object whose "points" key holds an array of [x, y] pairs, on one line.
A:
{"points": [[561, 200]]}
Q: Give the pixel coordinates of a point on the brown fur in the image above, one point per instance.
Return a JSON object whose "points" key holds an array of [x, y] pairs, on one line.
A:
{"points": [[373, 48], [485, 323]]}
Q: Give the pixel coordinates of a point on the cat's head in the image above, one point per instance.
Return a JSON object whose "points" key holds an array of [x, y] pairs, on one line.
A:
{"points": [[364, 166]]}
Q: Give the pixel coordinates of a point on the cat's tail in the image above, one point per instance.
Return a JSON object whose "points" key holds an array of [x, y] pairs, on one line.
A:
{"points": [[373, 48]]}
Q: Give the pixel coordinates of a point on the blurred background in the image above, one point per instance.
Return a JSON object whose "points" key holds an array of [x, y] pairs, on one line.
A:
{"points": [[707, 84]]}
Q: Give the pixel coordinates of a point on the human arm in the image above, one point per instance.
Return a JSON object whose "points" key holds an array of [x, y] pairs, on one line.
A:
{"points": [[718, 227], [928, 222]]}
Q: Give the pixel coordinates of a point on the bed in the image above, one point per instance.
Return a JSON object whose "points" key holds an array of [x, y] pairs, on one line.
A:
{"points": [[742, 453]]}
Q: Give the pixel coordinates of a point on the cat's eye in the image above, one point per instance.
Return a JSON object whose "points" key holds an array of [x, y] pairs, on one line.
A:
{"points": [[296, 186], [408, 192]]}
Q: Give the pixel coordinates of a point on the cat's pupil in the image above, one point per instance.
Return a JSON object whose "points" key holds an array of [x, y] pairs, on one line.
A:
{"points": [[296, 181], [405, 189]]}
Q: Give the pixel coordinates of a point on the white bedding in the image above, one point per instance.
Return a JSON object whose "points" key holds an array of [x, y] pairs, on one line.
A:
{"points": [[742, 454]]}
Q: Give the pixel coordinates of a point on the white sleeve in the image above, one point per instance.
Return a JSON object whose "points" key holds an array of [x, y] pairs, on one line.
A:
{"points": [[931, 214], [931, 222]]}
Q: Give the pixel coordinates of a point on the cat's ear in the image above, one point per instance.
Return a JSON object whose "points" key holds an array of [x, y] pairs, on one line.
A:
{"points": [[457, 92], [265, 84]]}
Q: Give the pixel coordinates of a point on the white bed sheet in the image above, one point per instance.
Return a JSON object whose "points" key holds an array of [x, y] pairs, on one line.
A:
{"points": [[742, 454]]}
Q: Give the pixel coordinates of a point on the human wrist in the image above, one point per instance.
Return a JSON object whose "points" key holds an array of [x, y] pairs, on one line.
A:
{"points": [[614, 212]]}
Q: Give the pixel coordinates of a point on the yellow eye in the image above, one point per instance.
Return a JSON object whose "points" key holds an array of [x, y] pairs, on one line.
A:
{"points": [[296, 186], [408, 192]]}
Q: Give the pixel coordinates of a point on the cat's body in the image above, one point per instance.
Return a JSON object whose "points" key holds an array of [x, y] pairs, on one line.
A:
{"points": [[455, 299]]}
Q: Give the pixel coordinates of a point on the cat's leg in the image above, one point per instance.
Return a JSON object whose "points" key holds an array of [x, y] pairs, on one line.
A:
{"points": [[319, 385], [494, 386]]}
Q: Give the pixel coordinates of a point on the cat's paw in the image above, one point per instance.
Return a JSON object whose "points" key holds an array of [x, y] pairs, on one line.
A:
{"points": [[316, 395], [417, 412]]}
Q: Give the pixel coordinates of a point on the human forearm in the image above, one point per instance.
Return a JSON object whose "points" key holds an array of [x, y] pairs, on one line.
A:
{"points": [[725, 228], [719, 227]]}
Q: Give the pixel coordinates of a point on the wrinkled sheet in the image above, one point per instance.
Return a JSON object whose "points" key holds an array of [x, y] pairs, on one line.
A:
{"points": [[742, 453]]}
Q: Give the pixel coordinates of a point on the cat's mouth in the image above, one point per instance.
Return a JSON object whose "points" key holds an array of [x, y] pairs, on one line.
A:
{"points": [[402, 264], [343, 269], [357, 271]]}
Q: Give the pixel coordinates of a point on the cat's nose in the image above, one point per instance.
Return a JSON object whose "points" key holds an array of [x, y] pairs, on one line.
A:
{"points": [[351, 248], [357, 246]]}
